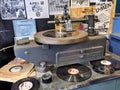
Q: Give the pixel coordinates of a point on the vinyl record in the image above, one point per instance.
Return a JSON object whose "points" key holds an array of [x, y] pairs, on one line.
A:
{"points": [[74, 72], [115, 63], [103, 66], [102, 70], [95, 63], [26, 84], [98, 65]]}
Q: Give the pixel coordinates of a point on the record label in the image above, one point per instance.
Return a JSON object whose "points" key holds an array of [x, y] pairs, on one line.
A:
{"points": [[27, 85], [73, 71], [16, 69], [105, 62]]}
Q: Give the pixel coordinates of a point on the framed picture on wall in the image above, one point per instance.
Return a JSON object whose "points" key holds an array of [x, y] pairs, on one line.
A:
{"points": [[37, 9], [13, 9], [57, 6], [79, 3]]}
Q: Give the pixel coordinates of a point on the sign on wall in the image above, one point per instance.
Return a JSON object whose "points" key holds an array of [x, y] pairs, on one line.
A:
{"points": [[37, 9], [103, 11], [79, 3], [57, 6], [13, 9]]}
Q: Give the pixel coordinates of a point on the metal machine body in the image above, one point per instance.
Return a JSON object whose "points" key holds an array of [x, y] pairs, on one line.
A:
{"points": [[91, 49]]}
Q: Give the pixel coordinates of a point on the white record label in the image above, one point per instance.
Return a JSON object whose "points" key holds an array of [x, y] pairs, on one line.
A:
{"points": [[105, 62], [16, 69], [27, 85]]}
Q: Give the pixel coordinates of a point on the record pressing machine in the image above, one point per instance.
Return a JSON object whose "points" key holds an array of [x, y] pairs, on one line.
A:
{"points": [[69, 51], [63, 45]]}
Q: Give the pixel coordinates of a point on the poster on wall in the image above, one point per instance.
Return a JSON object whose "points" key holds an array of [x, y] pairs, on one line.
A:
{"points": [[37, 9], [13, 9], [24, 29], [103, 11], [94, 1], [97, 1], [57, 6], [79, 3]]}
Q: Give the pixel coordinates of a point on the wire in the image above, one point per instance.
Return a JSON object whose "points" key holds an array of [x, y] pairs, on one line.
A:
{"points": [[3, 49]]}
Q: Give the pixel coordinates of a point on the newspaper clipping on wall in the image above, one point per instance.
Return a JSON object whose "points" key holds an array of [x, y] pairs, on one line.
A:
{"points": [[103, 11], [79, 3], [13, 9], [57, 6], [37, 9]]}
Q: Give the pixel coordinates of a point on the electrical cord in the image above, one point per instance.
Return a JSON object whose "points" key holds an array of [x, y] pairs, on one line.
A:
{"points": [[3, 49]]}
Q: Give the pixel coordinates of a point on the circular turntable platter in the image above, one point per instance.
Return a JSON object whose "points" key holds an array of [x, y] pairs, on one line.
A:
{"points": [[50, 37], [74, 72]]}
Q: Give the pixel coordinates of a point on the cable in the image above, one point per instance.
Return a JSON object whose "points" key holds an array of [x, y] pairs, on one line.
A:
{"points": [[3, 49]]}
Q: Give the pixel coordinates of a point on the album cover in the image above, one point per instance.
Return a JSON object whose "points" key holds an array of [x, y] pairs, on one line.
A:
{"points": [[24, 29]]}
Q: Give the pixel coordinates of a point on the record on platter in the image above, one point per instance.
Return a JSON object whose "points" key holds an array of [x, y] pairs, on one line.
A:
{"points": [[95, 62], [104, 67], [74, 72], [26, 84], [114, 63]]}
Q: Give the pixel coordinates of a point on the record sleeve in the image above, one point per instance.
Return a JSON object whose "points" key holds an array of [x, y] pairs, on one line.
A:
{"points": [[15, 70]]}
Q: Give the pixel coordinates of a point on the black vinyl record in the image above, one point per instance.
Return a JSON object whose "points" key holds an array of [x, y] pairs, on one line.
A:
{"points": [[26, 84], [103, 66], [96, 63], [74, 72], [101, 70], [114, 63]]}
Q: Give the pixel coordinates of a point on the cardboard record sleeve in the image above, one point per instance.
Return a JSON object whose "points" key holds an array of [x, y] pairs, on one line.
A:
{"points": [[16, 70]]}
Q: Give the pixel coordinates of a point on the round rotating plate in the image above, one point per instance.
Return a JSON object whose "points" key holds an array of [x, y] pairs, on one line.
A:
{"points": [[49, 37]]}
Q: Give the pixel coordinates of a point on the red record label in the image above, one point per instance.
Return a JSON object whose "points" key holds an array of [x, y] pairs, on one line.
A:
{"points": [[73, 71]]}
